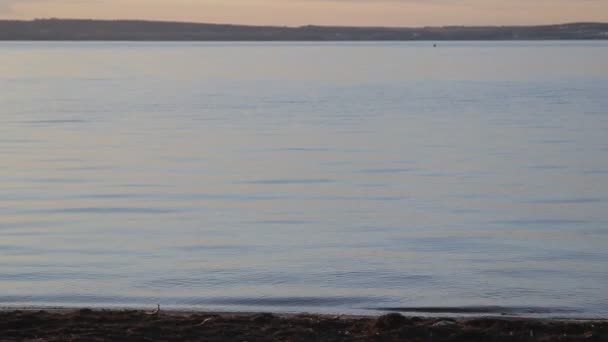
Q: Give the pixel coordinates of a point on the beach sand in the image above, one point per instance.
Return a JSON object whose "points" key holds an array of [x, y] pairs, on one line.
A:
{"points": [[105, 325]]}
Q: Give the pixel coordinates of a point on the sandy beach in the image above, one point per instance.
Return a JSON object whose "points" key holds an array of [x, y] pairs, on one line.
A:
{"points": [[106, 325]]}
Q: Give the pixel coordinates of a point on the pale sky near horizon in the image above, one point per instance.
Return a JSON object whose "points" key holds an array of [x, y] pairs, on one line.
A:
{"points": [[320, 12]]}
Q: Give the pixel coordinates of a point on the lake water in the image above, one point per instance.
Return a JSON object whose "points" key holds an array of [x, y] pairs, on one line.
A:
{"points": [[319, 177]]}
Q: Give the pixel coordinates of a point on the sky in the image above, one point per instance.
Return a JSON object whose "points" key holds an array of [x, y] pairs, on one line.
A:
{"points": [[319, 12]]}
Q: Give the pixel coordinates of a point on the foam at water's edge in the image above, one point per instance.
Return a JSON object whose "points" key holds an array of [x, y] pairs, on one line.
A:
{"points": [[491, 311]]}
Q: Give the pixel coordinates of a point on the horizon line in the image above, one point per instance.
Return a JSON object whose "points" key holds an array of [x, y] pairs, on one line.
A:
{"points": [[303, 26]]}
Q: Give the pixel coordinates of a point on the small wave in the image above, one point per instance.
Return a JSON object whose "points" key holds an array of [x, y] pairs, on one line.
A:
{"points": [[282, 222], [526, 222], [570, 201], [329, 301], [48, 276], [289, 181], [498, 310], [548, 167], [384, 171], [596, 172], [186, 197], [57, 121], [300, 149], [56, 180], [553, 141], [103, 210]]}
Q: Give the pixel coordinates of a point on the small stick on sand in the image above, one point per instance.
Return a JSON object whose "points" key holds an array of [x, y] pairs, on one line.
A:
{"points": [[207, 320]]}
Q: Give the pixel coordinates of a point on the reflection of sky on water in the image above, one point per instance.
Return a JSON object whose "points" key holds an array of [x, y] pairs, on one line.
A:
{"points": [[247, 174]]}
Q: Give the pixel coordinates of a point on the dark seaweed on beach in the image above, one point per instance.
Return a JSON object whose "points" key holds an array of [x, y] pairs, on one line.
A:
{"points": [[89, 325]]}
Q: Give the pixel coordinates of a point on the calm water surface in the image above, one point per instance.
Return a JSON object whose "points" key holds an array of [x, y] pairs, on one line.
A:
{"points": [[331, 177]]}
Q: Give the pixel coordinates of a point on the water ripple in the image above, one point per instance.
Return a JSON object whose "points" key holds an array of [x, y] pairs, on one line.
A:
{"points": [[107, 210], [289, 181], [513, 310], [582, 200], [55, 121]]}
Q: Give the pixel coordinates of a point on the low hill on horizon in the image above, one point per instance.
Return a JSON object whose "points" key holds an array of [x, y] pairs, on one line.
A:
{"points": [[142, 30]]}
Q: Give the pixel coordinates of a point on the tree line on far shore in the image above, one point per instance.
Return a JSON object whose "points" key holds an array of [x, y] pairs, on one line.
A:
{"points": [[137, 30]]}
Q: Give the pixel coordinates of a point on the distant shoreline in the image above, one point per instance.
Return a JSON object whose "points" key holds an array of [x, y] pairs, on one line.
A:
{"points": [[139, 30]]}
